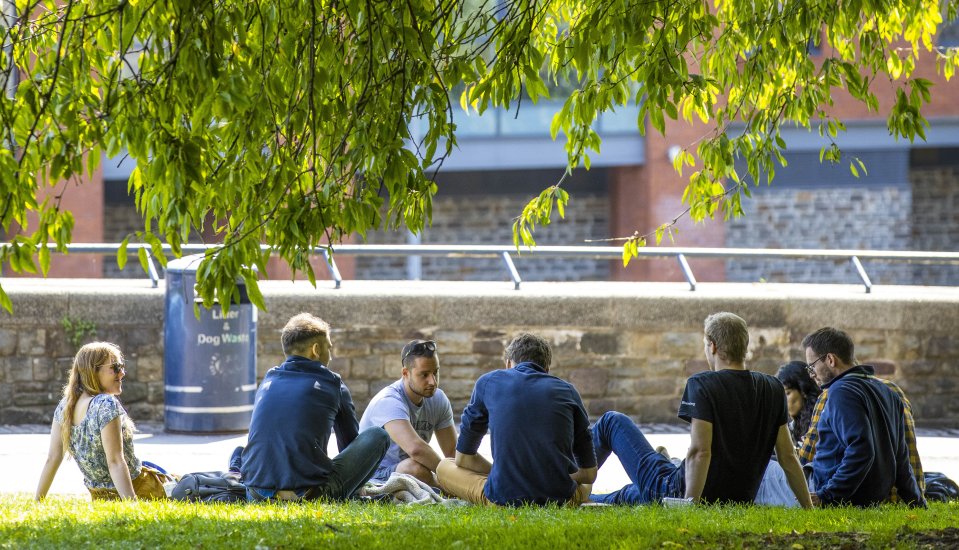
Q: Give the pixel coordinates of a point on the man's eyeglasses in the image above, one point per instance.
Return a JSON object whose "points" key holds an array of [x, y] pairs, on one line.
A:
{"points": [[811, 367], [423, 348], [117, 368]]}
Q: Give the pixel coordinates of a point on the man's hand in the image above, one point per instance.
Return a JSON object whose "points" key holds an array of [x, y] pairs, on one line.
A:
{"points": [[815, 500], [583, 490], [584, 476], [475, 463]]}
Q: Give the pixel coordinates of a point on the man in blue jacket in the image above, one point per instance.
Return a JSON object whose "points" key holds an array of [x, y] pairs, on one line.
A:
{"points": [[862, 451], [296, 406], [542, 446]]}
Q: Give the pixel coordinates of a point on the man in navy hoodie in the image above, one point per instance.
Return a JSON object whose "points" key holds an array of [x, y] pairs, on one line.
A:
{"points": [[862, 451], [296, 406], [542, 446]]}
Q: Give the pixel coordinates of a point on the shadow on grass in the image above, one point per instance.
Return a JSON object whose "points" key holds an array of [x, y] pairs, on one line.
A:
{"points": [[935, 538]]}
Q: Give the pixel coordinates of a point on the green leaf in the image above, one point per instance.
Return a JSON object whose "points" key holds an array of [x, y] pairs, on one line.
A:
{"points": [[44, 255], [144, 260], [122, 253], [5, 301], [253, 288]]}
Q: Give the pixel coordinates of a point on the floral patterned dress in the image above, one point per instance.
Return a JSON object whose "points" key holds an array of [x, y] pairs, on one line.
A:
{"points": [[86, 445]]}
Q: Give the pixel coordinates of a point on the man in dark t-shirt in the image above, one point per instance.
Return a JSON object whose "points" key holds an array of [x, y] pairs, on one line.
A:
{"points": [[737, 417]]}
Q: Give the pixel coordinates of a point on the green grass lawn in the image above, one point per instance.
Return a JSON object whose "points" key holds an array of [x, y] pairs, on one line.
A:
{"points": [[75, 522]]}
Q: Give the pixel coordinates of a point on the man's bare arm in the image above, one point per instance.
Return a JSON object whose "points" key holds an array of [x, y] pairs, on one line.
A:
{"points": [[698, 458], [446, 437], [402, 432], [789, 460]]}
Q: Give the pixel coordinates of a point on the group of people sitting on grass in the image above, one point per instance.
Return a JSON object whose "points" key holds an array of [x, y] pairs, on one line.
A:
{"points": [[855, 432]]}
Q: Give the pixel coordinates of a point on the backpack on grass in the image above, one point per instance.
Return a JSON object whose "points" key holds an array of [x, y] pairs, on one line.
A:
{"points": [[940, 488], [209, 487]]}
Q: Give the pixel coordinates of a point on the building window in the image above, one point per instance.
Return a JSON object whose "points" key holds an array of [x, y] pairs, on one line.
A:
{"points": [[948, 36]]}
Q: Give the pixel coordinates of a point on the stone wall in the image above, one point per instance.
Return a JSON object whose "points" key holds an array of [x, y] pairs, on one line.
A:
{"points": [[873, 218], [626, 346], [36, 348], [485, 219], [923, 215], [935, 221], [459, 219]]}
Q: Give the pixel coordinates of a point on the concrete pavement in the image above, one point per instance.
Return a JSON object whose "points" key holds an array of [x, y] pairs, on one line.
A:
{"points": [[23, 452]]}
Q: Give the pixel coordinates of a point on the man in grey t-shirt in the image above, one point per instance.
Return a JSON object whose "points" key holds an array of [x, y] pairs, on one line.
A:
{"points": [[411, 410]]}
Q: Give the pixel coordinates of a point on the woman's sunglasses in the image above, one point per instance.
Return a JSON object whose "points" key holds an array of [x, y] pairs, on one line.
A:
{"points": [[117, 368]]}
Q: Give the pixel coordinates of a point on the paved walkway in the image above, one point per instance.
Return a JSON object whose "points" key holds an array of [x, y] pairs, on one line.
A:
{"points": [[23, 451]]}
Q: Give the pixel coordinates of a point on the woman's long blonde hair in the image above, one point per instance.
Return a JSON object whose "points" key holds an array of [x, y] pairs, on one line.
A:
{"points": [[83, 378]]}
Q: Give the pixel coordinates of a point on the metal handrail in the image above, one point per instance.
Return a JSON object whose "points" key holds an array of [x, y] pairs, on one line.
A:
{"points": [[507, 252]]}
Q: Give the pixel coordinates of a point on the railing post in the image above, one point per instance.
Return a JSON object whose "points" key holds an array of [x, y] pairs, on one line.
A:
{"points": [[512, 270], [687, 272], [152, 269], [862, 273], [331, 267]]}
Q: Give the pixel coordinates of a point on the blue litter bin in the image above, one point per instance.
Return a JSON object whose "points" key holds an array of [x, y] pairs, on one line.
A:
{"points": [[209, 364]]}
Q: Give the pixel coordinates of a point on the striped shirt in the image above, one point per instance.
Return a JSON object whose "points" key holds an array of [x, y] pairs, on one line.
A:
{"points": [[807, 451]]}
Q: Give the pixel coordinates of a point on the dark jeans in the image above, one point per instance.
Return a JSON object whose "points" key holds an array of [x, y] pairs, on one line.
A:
{"points": [[652, 474], [351, 469]]}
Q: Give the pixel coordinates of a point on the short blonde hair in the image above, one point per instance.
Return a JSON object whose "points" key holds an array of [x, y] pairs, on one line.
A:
{"points": [[730, 334]]}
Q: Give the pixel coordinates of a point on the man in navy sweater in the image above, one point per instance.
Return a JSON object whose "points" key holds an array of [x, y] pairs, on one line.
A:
{"points": [[542, 446], [296, 406], [862, 451]]}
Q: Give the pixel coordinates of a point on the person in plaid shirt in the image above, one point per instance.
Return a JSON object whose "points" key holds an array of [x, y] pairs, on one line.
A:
{"points": [[861, 442], [807, 449]]}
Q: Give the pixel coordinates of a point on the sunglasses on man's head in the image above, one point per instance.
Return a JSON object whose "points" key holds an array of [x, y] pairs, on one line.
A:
{"points": [[426, 348]]}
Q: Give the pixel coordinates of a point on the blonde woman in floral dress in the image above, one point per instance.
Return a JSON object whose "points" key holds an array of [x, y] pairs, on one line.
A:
{"points": [[91, 425]]}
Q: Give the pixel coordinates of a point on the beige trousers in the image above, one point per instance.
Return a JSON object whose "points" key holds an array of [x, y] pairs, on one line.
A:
{"points": [[468, 485], [462, 483]]}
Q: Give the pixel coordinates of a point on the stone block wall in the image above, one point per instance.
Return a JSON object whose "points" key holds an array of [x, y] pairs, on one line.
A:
{"points": [[36, 347], [483, 219], [923, 215], [874, 218], [935, 221], [626, 346]]}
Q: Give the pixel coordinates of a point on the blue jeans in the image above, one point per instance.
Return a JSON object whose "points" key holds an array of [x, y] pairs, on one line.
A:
{"points": [[652, 474], [383, 473], [351, 469]]}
